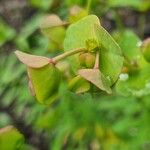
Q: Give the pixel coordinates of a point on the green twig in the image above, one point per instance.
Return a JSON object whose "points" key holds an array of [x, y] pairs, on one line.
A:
{"points": [[69, 53], [96, 66], [88, 6]]}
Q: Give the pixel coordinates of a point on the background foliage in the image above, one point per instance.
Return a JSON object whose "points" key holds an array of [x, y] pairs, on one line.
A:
{"points": [[117, 122]]}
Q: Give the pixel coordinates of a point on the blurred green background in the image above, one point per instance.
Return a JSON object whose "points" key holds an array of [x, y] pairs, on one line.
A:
{"points": [[75, 122]]}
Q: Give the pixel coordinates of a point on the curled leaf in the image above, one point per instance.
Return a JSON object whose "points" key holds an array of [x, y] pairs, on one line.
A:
{"points": [[97, 78], [32, 60]]}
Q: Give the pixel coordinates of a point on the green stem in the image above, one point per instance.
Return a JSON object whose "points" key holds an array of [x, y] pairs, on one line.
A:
{"points": [[88, 5], [96, 66], [69, 53], [141, 24], [119, 22]]}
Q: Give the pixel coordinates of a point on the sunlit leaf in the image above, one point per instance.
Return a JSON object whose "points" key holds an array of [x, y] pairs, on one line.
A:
{"points": [[79, 32]]}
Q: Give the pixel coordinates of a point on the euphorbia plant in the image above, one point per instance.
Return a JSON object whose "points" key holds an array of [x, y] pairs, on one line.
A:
{"points": [[94, 58]]}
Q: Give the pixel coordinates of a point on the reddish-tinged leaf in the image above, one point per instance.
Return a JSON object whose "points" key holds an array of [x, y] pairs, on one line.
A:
{"points": [[32, 60], [53, 28], [52, 21], [97, 78]]}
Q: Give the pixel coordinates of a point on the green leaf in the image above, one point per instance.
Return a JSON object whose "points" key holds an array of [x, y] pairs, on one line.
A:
{"points": [[141, 5], [51, 21], [145, 48], [97, 78], [79, 32], [130, 49], [44, 77], [32, 60], [5, 119], [6, 33], [76, 13], [44, 4], [75, 2], [79, 85], [10, 138], [45, 82], [111, 60], [30, 27], [53, 28], [79, 35], [106, 41], [137, 84]]}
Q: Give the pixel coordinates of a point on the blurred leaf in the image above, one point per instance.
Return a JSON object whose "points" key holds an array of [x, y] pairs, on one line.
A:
{"points": [[10, 138], [76, 13], [8, 66], [75, 2], [44, 4], [53, 28], [129, 49], [141, 5], [51, 21], [30, 27], [5, 120], [47, 120], [145, 48], [6, 32]]}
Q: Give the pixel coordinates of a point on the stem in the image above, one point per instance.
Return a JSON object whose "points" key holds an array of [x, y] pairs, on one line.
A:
{"points": [[118, 21], [69, 53], [88, 5], [96, 66], [141, 25]]}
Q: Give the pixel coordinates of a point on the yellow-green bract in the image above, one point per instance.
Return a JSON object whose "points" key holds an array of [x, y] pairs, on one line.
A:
{"points": [[87, 30], [43, 75]]}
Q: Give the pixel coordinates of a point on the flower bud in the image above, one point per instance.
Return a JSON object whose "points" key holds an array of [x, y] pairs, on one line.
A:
{"points": [[90, 60], [87, 60]]}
